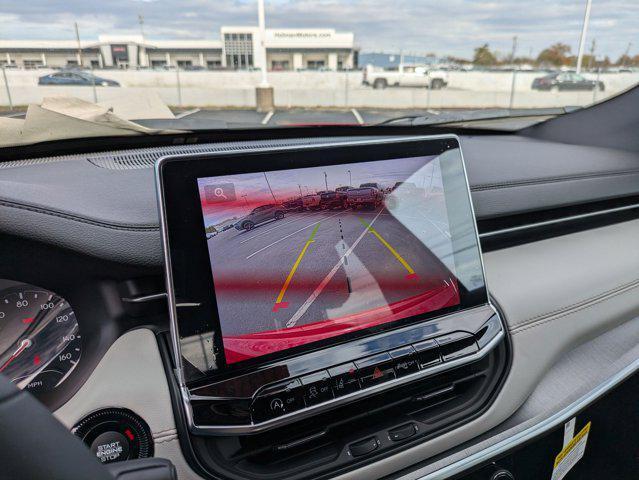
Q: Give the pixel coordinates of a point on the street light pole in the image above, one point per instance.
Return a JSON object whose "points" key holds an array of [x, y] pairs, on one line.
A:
{"points": [[326, 180], [77, 38], [264, 96], [300, 187], [626, 54], [582, 39], [262, 27], [512, 84], [6, 86], [350, 179], [269, 187], [591, 59]]}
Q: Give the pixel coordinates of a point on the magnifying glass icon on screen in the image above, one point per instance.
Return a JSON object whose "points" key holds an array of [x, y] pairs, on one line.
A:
{"points": [[219, 193]]}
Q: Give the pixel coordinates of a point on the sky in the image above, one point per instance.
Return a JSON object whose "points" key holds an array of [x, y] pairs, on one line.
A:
{"points": [[246, 191], [443, 27]]}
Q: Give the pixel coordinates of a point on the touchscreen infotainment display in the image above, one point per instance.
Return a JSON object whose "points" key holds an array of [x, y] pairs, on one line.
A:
{"points": [[302, 255]]}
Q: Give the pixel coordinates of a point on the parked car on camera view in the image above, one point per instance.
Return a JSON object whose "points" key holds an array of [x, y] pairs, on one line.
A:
{"points": [[258, 215], [311, 202], [331, 200], [294, 205], [566, 81], [76, 78], [371, 184], [366, 197]]}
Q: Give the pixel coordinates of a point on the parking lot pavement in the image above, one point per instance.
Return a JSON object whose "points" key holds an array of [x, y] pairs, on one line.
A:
{"points": [[313, 117], [313, 266], [251, 118], [233, 117], [239, 118]]}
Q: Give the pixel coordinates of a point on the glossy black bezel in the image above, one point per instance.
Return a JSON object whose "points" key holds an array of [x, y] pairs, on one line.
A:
{"points": [[192, 281]]}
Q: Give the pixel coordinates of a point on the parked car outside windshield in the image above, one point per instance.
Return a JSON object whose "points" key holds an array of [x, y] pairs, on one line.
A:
{"points": [[76, 78]]}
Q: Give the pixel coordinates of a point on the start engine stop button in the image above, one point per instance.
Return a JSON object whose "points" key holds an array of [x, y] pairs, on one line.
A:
{"points": [[110, 447]]}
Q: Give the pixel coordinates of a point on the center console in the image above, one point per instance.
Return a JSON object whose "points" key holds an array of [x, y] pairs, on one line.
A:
{"points": [[328, 303]]}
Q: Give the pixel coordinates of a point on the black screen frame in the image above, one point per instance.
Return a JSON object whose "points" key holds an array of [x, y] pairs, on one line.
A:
{"points": [[187, 255]]}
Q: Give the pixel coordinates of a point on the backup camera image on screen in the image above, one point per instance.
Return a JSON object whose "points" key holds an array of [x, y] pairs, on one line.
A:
{"points": [[299, 256]]}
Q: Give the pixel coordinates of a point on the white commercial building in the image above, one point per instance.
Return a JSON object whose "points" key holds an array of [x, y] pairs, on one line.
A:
{"points": [[238, 48]]}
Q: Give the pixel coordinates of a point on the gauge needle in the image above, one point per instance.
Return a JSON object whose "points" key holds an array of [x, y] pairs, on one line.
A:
{"points": [[24, 344]]}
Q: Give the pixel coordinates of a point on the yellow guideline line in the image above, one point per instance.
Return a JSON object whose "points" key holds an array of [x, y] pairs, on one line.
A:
{"points": [[278, 301], [387, 245]]}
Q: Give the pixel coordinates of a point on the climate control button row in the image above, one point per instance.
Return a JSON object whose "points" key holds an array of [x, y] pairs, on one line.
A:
{"points": [[319, 387]]}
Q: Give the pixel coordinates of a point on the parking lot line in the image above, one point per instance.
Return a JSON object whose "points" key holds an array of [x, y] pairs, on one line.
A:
{"points": [[357, 116], [400, 259], [267, 117], [318, 290], [290, 235], [278, 302]]}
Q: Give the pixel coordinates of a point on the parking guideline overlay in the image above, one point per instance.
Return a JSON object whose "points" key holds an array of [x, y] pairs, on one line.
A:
{"points": [[278, 302], [411, 273]]}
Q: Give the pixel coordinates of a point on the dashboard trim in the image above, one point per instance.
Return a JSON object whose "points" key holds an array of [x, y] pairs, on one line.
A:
{"points": [[462, 466], [557, 221], [309, 411]]}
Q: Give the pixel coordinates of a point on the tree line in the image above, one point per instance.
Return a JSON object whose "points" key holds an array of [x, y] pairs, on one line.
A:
{"points": [[556, 55]]}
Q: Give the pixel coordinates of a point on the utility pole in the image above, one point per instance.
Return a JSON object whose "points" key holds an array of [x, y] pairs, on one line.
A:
{"points": [[626, 54], [350, 179], [77, 38], [300, 187], [269, 187], [141, 22], [6, 86], [592, 53], [326, 181], [512, 84], [582, 39]]}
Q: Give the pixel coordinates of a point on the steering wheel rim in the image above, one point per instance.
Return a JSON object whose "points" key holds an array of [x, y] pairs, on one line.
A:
{"points": [[35, 445]]}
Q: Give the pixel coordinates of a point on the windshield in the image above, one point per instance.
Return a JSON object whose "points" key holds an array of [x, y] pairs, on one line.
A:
{"points": [[74, 69]]}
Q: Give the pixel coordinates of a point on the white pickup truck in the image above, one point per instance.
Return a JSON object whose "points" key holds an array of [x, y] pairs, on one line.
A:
{"points": [[405, 76]]}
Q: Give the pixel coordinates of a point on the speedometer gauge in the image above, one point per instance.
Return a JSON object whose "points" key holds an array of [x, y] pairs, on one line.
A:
{"points": [[40, 343]]}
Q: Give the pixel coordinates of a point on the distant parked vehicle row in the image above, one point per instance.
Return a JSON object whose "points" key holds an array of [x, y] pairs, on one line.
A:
{"points": [[367, 195], [566, 82]]}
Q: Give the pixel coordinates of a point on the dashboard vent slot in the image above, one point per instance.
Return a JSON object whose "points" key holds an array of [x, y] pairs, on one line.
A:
{"points": [[145, 158], [140, 158]]}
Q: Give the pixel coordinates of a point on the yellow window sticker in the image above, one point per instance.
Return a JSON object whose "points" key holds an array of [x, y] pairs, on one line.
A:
{"points": [[571, 454]]}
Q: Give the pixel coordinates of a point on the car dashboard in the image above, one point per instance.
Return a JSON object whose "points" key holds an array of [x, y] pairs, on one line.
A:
{"points": [[84, 284]]}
